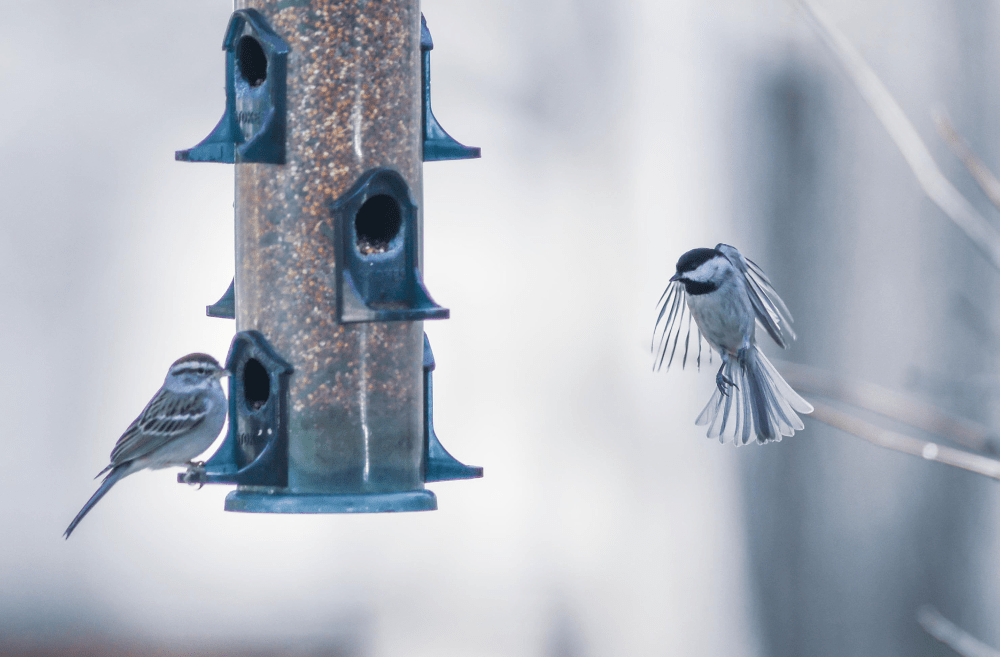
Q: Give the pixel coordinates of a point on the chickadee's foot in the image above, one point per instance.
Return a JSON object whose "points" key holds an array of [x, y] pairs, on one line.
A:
{"points": [[721, 381], [195, 474]]}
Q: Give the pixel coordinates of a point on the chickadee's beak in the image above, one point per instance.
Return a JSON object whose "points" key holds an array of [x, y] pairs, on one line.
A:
{"points": [[675, 277]]}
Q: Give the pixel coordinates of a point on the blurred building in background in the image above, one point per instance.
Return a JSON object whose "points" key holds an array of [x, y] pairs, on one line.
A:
{"points": [[615, 137]]}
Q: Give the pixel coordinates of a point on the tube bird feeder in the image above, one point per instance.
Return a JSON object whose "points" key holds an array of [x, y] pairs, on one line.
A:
{"points": [[328, 123]]}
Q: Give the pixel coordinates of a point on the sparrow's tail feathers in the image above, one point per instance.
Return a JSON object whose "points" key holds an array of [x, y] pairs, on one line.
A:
{"points": [[110, 480], [761, 404]]}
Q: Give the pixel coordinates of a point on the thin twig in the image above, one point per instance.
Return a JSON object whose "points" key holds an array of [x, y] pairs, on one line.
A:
{"points": [[979, 171], [902, 443], [952, 635], [938, 188], [892, 404]]}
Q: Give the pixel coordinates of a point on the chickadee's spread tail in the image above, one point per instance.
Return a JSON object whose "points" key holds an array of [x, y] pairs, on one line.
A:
{"points": [[760, 403]]}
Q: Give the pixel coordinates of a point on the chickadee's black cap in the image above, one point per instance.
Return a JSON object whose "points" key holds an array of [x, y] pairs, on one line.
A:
{"points": [[694, 259]]}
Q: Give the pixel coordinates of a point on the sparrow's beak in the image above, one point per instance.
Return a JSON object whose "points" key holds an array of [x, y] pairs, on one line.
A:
{"points": [[676, 277], [222, 373]]}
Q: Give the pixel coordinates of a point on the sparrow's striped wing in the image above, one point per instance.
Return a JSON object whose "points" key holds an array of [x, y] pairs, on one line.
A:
{"points": [[673, 319], [770, 310], [165, 418]]}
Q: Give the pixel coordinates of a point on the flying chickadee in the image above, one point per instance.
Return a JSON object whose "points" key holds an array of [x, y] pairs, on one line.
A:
{"points": [[727, 295], [181, 421]]}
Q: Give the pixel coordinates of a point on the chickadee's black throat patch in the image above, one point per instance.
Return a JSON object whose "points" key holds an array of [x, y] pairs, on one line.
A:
{"points": [[697, 287]]}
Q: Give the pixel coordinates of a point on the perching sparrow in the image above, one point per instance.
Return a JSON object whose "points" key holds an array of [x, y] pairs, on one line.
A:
{"points": [[181, 421]]}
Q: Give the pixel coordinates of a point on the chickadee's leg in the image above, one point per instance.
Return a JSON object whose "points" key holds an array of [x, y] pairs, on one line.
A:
{"points": [[721, 380]]}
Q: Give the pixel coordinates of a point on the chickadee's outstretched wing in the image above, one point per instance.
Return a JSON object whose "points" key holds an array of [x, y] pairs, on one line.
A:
{"points": [[770, 310], [670, 324], [166, 417]]}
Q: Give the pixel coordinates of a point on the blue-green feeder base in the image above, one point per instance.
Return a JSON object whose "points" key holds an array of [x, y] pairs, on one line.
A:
{"points": [[261, 502]]}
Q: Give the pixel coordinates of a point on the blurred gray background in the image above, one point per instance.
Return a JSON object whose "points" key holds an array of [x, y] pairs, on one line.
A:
{"points": [[615, 136]]}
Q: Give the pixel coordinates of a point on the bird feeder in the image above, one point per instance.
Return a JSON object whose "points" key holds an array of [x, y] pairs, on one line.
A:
{"points": [[328, 122]]}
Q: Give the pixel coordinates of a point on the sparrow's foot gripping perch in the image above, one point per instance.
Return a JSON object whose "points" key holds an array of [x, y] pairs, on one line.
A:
{"points": [[722, 381], [195, 474]]}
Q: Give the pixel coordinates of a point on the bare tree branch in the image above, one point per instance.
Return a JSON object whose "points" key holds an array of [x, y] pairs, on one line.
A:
{"points": [[938, 188], [979, 171], [892, 404], [952, 635], [902, 443]]}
